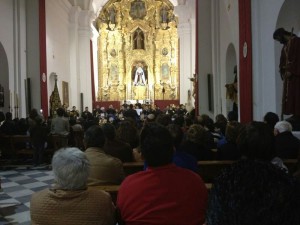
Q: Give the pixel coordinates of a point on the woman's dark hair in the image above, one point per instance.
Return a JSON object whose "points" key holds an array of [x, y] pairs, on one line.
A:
{"points": [[60, 111], [256, 141], [271, 119], [156, 145], [94, 137]]}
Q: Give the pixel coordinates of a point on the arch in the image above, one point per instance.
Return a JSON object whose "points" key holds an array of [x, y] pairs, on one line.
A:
{"points": [[231, 62], [4, 79], [288, 18]]}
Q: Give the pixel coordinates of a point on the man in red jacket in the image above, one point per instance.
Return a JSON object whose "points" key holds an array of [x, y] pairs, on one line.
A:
{"points": [[163, 193]]}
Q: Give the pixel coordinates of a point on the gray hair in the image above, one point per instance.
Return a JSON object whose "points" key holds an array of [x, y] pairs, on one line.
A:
{"points": [[283, 126], [70, 168]]}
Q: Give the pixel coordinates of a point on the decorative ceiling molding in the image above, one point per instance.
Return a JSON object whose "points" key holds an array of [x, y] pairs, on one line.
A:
{"points": [[96, 5]]}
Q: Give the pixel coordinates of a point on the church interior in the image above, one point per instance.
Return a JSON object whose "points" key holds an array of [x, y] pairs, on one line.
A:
{"points": [[92, 50], [205, 57]]}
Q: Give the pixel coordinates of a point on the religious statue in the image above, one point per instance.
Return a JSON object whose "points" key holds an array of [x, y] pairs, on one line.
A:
{"points": [[111, 19], [164, 15], [139, 77], [112, 16], [139, 39], [190, 102], [290, 71], [231, 91], [194, 80]]}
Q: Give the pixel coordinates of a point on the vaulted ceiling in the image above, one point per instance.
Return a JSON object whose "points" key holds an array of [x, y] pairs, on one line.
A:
{"points": [[96, 5]]}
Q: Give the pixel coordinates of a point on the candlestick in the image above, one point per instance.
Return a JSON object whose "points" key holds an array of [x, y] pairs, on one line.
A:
{"points": [[10, 101], [17, 100]]}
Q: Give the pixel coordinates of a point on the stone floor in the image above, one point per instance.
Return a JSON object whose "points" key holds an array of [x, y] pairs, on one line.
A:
{"points": [[18, 184]]}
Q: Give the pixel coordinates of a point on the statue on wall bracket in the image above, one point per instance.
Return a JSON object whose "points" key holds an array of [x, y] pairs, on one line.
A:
{"points": [[138, 39]]}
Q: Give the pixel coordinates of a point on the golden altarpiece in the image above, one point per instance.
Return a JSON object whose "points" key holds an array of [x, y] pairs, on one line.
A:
{"points": [[137, 51]]}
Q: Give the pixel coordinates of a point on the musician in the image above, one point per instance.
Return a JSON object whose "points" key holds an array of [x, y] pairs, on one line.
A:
{"points": [[290, 71], [74, 113], [86, 114]]}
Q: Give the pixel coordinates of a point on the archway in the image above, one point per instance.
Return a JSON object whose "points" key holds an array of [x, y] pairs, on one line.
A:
{"points": [[4, 81], [231, 63]]}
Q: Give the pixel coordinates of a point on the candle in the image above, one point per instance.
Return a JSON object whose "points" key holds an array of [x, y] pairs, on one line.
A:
{"points": [[10, 99], [17, 100]]}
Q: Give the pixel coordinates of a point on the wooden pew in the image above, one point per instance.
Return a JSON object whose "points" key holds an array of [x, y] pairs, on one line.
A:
{"points": [[5, 146], [291, 164], [133, 167], [113, 189], [208, 170], [19, 146]]}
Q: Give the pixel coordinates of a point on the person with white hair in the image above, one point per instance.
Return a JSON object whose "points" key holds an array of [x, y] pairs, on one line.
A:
{"points": [[286, 144], [69, 201]]}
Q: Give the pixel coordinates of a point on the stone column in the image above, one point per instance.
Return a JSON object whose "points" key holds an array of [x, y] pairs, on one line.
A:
{"points": [[74, 87], [84, 56]]}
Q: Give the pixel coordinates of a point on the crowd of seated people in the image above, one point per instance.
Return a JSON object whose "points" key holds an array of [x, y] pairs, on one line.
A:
{"points": [[169, 191], [203, 138]]}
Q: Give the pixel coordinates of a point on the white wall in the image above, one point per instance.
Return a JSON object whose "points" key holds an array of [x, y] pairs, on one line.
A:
{"points": [[57, 42], [186, 33], [85, 34], [205, 53], [6, 39], [218, 29], [68, 50], [229, 40], [13, 40], [264, 17]]}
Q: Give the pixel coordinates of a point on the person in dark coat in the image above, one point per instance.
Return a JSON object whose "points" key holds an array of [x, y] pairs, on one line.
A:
{"points": [[286, 144], [114, 146], [38, 135]]}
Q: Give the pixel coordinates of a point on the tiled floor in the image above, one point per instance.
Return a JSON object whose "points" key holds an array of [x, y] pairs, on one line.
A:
{"points": [[18, 186]]}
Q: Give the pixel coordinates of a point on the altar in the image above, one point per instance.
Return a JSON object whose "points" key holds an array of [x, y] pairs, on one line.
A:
{"points": [[138, 51], [137, 101]]}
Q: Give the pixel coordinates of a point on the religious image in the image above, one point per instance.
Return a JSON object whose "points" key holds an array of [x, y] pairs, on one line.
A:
{"points": [[137, 9], [139, 77], [114, 72], [165, 71]]}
